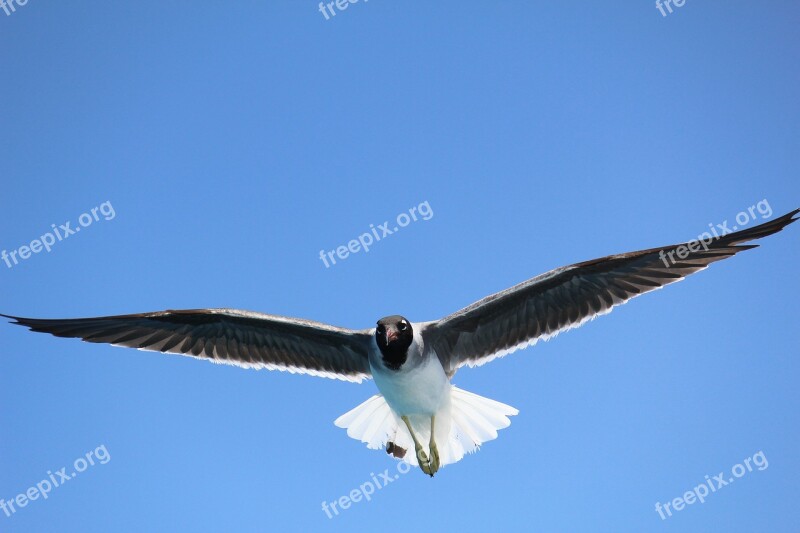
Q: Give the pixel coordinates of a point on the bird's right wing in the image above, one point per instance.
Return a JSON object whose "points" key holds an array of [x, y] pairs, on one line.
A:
{"points": [[569, 296], [229, 336]]}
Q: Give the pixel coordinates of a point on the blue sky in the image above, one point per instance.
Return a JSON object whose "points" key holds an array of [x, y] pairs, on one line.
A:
{"points": [[236, 141]]}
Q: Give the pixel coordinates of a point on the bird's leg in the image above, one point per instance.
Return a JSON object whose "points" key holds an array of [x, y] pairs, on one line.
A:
{"points": [[422, 457], [434, 449]]}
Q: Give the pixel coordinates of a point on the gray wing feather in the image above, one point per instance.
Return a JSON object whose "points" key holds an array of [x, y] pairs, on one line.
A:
{"points": [[230, 336], [567, 297]]}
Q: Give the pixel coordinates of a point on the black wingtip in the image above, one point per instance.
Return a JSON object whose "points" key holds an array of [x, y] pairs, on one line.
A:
{"points": [[12, 319], [32, 324], [757, 232]]}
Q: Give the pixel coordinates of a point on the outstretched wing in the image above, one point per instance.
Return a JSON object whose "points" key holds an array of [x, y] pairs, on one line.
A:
{"points": [[567, 297], [229, 336]]}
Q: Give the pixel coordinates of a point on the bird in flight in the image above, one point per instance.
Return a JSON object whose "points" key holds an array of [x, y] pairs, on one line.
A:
{"points": [[413, 363]]}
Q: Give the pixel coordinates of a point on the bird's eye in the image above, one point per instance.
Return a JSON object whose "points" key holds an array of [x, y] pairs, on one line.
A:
{"points": [[403, 326], [380, 328]]}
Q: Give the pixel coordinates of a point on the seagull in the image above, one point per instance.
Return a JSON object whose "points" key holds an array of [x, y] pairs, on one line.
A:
{"points": [[413, 363]]}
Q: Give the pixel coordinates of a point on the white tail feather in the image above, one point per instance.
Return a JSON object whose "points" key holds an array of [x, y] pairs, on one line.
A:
{"points": [[462, 425]]}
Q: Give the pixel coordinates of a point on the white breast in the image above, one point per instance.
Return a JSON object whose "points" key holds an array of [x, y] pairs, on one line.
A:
{"points": [[420, 387]]}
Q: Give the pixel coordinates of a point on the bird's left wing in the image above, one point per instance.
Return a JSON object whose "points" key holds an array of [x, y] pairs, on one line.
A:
{"points": [[229, 336], [567, 297]]}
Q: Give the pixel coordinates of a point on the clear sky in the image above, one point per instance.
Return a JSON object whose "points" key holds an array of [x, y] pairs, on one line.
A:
{"points": [[234, 141]]}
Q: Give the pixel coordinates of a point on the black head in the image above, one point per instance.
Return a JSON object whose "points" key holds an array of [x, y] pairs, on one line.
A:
{"points": [[394, 335]]}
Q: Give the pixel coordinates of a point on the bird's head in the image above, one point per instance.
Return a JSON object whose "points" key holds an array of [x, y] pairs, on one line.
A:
{"points": [[394, 334]]}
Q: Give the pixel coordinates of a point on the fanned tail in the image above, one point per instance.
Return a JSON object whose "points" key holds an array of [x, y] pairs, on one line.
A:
{"points": [[466, 422]]}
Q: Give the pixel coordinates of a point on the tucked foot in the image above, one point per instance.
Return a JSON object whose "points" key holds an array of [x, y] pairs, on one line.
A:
{"points": [[395, 450], [424, 462], [422, 457], [434, 464]]}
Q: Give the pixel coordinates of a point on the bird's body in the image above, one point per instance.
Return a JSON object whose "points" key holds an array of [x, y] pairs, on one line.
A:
{"points": [[419, 390], [414, 391], [419, 387], [413, 363]]}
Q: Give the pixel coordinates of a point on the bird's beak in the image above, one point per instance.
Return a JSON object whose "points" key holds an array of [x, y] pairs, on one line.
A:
{"points": [[390, 335]]}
